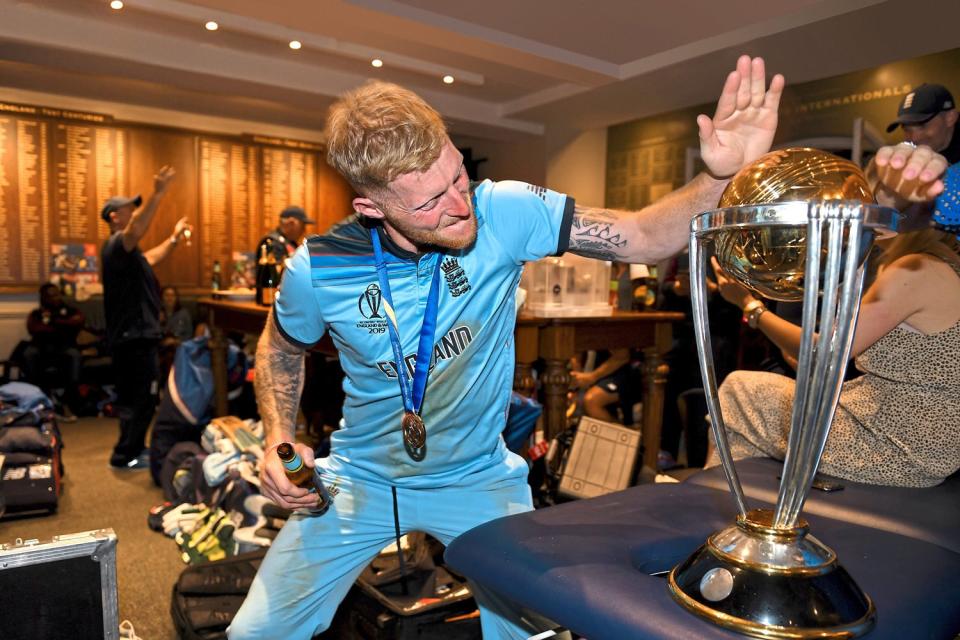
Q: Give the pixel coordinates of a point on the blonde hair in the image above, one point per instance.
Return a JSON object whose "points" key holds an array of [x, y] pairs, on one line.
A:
{"points": [[381, 131], [938, 243], [930, 241]]}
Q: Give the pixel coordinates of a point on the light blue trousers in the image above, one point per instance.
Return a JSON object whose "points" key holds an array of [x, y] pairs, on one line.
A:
{"points": [[315, 560]]}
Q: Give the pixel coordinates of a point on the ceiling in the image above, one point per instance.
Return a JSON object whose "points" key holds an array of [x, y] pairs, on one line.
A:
{"points": [[521, 67]]}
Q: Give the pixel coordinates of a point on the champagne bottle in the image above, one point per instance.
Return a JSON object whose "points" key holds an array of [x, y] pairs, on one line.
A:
{"points": [[267, 276], [303, 476]]}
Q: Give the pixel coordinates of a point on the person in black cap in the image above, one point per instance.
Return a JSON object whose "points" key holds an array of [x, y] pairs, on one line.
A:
{"points": [[928, 115], [131, 300], [287, 236]]}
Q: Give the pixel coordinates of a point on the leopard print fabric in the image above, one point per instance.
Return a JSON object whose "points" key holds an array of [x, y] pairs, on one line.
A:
{"points": [[897, 425]]}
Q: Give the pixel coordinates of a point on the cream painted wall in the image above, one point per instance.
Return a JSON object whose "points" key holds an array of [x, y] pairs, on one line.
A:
{"points": [[577, 165], [521, 159], [568, 162]]}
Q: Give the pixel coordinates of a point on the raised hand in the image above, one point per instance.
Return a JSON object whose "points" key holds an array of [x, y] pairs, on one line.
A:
{"points": [[743, 126], [162, 179], [909, 173]]}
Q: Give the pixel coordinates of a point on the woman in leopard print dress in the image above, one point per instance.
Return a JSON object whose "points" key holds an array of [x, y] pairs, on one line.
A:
{"points": [[899, 423]]}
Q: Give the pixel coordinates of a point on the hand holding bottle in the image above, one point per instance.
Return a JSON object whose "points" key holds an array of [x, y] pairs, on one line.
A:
{"points": [[276, 484], [183, 229]]}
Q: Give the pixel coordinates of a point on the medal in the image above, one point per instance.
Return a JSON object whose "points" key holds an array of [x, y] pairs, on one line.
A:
{"points": [[411, 391], [414, 431]]}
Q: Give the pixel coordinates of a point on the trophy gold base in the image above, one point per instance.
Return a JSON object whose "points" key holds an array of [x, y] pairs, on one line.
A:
{"points": [[768, 582]]}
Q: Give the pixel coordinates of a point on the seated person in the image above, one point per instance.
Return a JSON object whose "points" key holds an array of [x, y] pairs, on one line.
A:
{"points": [[175, 321], [53, 328], [897, 424], [177, 327], [613, 384]]}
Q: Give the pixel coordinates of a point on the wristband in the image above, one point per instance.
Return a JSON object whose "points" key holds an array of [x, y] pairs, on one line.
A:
{"points": [[174, 240]]}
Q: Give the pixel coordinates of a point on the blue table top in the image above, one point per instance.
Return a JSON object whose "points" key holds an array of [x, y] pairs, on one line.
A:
{"points": [[586, 565], [931, 515]]}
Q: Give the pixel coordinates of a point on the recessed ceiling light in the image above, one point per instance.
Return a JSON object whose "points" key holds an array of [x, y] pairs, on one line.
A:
{"points": [[116, 5], [295, 44], [212, 26], [448, 79], [377, 62]]}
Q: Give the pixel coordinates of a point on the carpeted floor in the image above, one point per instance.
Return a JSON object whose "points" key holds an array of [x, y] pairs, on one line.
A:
{"points": [[95, 497]]}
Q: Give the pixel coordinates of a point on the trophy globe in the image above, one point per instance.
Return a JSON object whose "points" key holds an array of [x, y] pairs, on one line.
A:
{"points": [[796, 224]]}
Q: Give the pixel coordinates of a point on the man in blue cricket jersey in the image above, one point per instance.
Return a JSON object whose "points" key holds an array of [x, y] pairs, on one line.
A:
{"points": [[417, 292]]}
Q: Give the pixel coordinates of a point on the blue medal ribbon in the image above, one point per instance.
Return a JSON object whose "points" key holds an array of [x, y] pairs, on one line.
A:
{"points": [[412, 394]]}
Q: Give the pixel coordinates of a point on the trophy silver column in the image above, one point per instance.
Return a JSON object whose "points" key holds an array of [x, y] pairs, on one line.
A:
{"points": [[796, 224]]}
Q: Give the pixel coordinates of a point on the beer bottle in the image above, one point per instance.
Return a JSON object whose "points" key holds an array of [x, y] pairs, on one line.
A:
{"points": [[267, 275], [653, 286], [303, 476], [215, 284], [261, 264]]}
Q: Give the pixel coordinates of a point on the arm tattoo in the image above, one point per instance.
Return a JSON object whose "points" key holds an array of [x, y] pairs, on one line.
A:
{"points": [[598, 233], [278, 383]]}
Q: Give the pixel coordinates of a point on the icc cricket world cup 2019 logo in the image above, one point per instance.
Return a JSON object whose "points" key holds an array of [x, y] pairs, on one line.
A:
{"points": [[370, 305], [370, 301]]}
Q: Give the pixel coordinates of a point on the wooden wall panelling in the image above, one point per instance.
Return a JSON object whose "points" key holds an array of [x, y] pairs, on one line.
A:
{"points": [[150, 149], [57, 168]]}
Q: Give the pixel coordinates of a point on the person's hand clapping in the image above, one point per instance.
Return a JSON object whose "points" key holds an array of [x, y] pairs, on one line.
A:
{"points": [[745, 121]]}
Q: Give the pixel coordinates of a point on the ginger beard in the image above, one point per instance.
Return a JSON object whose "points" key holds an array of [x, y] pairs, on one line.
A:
{"points": [[451, 232]]}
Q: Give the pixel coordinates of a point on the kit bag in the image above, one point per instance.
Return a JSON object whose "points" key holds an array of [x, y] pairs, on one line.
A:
{"points": [[32, 464], [436, 606], [207, 596]]}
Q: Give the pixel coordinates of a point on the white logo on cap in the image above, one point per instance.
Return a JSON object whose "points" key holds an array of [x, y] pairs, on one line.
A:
{"points": [[947, 105], [908, 101]]}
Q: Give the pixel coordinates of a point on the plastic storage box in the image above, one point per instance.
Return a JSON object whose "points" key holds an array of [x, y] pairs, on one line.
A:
{"points": [[567, 286], [60, 589]]}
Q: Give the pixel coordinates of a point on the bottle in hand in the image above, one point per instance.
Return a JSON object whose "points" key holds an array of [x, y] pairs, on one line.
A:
{"points": [[267, 276], [303, 476]]}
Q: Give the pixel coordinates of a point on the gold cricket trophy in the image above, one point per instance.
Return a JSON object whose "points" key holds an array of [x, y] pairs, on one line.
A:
{"points": [[797, 224]]}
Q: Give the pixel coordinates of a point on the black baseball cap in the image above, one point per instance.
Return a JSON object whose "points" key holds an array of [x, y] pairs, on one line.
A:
{"points": [[921, 104], [117, 202], [294, 211]]}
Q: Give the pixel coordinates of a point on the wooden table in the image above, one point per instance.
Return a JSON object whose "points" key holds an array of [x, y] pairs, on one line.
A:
{"points": [[555, 340], [226, 315]]}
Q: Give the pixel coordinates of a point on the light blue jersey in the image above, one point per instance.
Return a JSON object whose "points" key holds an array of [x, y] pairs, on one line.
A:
{"points": [[330, 285]]}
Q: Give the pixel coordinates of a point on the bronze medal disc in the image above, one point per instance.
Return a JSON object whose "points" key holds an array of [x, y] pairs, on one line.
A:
{"points": [[414, 431]]}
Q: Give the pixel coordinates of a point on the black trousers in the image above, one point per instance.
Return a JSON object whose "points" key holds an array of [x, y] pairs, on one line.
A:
{"points": [[136, 368]]}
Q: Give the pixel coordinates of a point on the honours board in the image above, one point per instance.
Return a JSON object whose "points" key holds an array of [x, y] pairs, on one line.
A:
{"points": [[58, 167]]}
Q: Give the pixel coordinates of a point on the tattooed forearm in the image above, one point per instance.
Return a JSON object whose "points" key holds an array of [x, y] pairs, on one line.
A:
{"points": [[278, 383], [656, 232], [598, 233]]}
